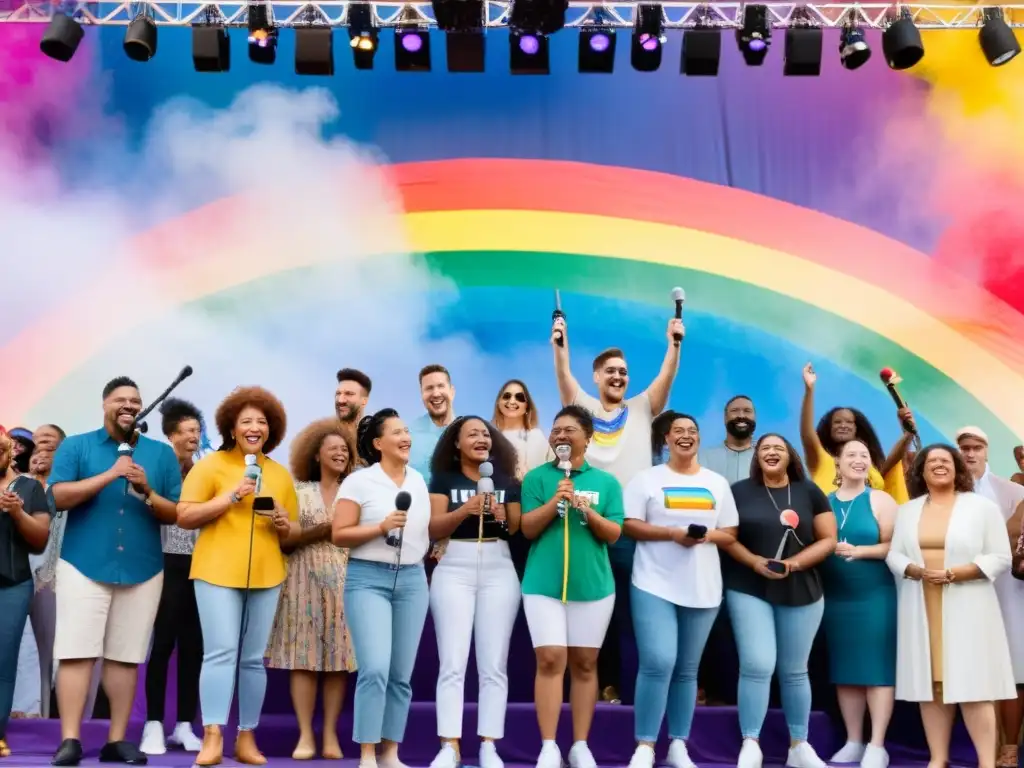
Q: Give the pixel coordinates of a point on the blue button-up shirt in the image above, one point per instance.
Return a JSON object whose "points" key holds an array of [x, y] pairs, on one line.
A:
{"points": [[114, 537], [425, 434]]}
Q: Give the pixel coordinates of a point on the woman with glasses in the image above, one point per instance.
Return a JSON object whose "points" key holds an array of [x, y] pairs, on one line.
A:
{"points": [[516, 416]]}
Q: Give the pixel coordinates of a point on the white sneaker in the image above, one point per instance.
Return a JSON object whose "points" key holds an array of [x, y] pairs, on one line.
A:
{"points": [[153, 739], [852, 752], [804, 756], [874, 757], [643, 757], [489, 757], [550, 756], [750, 755], [580, 756], [185, 737], [679, 755], [390, 762], [446, 758]]}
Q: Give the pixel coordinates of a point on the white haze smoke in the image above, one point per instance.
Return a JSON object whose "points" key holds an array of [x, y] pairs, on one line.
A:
{"points": [[323, 205]]}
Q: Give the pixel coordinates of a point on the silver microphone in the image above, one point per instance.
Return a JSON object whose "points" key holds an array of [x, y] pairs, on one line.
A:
{"points": [[564, 454], [253, 471], [485, 485]]}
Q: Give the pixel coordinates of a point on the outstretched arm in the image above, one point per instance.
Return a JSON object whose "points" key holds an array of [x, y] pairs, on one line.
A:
{"points": [[567, 384], [808, 436], [659, 390]]}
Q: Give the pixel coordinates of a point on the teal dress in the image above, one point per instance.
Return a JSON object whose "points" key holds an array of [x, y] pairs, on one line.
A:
{"points": [[860, 603]]}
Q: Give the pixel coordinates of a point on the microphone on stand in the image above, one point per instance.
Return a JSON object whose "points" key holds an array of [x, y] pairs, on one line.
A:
{"points": [[564, 454], [395, 537], [183, 374], [485, 488], [678, 296]]}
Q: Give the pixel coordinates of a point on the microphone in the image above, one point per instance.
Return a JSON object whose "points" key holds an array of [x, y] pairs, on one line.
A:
{"points": [[126, 449], [558, 314], [485, 488], [678, 296], [394, 538], [564, 453], [183, 374], [890, 379]]}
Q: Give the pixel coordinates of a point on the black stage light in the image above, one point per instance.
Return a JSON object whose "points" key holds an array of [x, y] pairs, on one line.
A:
{"points": [[412, 43], [702, 50], [647, 40], [463, 23], [140, 39], [537, 17], [997, 40], [314, 51], [802, 52], [528, 54], [363, 34], [853, 47], [465, 51], [597, 50], [262, 35], [61, 39], [901, 43], [755, 36], [211, 48]]}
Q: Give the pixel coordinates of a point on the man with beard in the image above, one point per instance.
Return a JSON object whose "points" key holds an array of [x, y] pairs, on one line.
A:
{"points": [[437, 393], [621, 446], [1009, 497], [732, 459], [350, 397], [110, 571]]}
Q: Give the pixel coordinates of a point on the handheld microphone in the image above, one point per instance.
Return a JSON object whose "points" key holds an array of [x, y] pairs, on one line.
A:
{"points": [[890, 379], [564, 454], [558, 314], [485, 488], [678, 296], [402, 503]]}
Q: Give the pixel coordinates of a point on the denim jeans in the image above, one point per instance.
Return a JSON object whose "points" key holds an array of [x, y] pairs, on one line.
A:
{"points": [[220, 615], [385, 619], [772, 638], [14, 604], [670, 640]]}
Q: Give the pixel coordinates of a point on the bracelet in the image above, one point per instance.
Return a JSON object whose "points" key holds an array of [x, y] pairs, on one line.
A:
{"points": [[235, 498]]}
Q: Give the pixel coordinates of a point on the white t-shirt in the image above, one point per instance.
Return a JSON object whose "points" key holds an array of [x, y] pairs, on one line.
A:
{"points": [[687, 576], [622, 438], [375, 494], [531, 446]]}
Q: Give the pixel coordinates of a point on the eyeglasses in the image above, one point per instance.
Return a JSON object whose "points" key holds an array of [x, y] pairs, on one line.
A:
{"points": [[520, 397]]}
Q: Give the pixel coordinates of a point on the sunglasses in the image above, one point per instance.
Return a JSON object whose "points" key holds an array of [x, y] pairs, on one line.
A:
{"points": [[520, 397]]}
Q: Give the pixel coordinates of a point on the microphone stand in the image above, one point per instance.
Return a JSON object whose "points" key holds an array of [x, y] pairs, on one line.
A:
{"points": [[162, 396]]}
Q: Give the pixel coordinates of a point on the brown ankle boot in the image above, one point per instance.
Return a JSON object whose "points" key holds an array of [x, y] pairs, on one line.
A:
{"points": [[212, 751], [246, 750]]}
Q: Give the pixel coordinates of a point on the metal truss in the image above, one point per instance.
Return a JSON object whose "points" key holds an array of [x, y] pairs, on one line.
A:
{"points": [[295, 13]]}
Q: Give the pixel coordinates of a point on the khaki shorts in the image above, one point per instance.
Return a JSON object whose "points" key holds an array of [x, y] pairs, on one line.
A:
{"points": [[104, 620]]}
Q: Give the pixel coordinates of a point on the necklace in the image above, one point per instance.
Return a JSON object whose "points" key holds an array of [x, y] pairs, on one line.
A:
{"points": [[789, 497]]}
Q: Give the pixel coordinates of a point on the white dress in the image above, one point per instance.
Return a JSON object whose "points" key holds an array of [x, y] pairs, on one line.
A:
{"points": [[976, 657]]}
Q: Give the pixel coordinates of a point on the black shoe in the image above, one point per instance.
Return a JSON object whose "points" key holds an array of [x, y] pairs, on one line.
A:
{"points": [[69, 753], [122, 752]]}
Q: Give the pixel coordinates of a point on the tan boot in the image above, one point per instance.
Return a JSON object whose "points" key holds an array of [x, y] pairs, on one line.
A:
{"points": [[246, 750], [212, 751]]}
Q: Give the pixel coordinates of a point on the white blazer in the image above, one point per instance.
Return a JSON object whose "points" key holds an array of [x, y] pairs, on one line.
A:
{"points": [[976, 658]]}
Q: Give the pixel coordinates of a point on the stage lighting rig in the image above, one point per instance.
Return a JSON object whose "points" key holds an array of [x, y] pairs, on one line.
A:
{"points": [[597, 44], [755, 36], [647, 38], [314, 44], [262, 34], [802, 52], [854, 50], [463, 23], [62, 35], [412, 42], [211, 47], [702, 46], [140, 37], [901, 41], [363, 34], [530, 22], [997, 40]]}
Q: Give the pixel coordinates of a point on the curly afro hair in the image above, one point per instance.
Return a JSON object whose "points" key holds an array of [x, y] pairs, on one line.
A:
{"points": [[306, 447], [254, 397], [963, 481]]}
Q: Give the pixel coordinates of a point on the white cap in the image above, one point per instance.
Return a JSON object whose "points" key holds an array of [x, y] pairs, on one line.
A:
{"points": [[976, 432]]}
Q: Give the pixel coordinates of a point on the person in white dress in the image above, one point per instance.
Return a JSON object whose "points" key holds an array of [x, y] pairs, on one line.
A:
{"points": [[1009, 497], [948, 547], [515, 414]]}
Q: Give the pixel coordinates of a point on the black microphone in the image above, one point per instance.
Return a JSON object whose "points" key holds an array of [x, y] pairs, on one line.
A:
{"points": [[678, 296], [402, 503], [126, 449], [558, 314], [183, 374], [890, 379]]}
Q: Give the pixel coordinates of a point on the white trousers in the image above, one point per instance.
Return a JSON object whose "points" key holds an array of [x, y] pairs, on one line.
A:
{"points": [[474, 591]]}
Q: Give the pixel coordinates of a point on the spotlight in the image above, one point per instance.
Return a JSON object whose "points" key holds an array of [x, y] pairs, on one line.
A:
{"points": [[363, 34], [853, 47], [262, 35], [61, 39], [140, 39], [997, 40], [465, 51], [314, 51], [645, 51], [412, 50], [463, 22], [702, 49], [211, 49], [755, 36], [528, 54], [597, 46], [901, 42], [537, 17], [802, 53]]}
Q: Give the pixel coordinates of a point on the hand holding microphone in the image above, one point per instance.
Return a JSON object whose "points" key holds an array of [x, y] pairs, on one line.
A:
{"points": [[393, 526], [890, 379], [676, 330], [558, 322]]}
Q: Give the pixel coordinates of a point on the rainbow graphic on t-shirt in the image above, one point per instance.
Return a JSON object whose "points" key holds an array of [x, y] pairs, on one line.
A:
{"points": [[691, 499], [608, 431]]}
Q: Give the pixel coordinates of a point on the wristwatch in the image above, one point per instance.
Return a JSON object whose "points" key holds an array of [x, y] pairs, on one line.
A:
{"points": [[235, 498]]}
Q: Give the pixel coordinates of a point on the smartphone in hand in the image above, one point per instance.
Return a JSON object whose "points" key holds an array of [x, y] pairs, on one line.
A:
{"points": [[697, 531]]}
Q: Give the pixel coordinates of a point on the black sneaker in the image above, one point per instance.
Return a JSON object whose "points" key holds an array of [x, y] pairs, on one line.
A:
{"points": [[122, 752], [69, 753]]}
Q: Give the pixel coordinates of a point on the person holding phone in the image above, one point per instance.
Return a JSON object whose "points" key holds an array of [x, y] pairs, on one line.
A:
{"points": [[679, 513], [246, 514], [774, 593]]}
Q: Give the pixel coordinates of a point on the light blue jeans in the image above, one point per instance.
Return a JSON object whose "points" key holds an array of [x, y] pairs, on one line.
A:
{"points": [[14, 603], [220, 615], [670, 640], [773, 638], [385, 620]]}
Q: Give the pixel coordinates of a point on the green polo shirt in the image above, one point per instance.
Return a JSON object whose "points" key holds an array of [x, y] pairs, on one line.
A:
{"points": [[590, 574]]}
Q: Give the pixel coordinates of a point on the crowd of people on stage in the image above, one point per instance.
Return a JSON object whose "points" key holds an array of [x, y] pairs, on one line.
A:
{"points": [[118, 549]]}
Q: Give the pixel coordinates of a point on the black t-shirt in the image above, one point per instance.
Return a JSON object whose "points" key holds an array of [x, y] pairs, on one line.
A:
{"points": [[459, 489], [14, 550], [761, 532]]}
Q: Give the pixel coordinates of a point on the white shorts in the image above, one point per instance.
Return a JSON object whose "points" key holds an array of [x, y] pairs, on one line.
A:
{"points": [[104, 620], [567, 625]]}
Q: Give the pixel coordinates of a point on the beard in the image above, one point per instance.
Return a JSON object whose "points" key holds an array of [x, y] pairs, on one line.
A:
{"points": [[740, 428], [347, 414]]}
